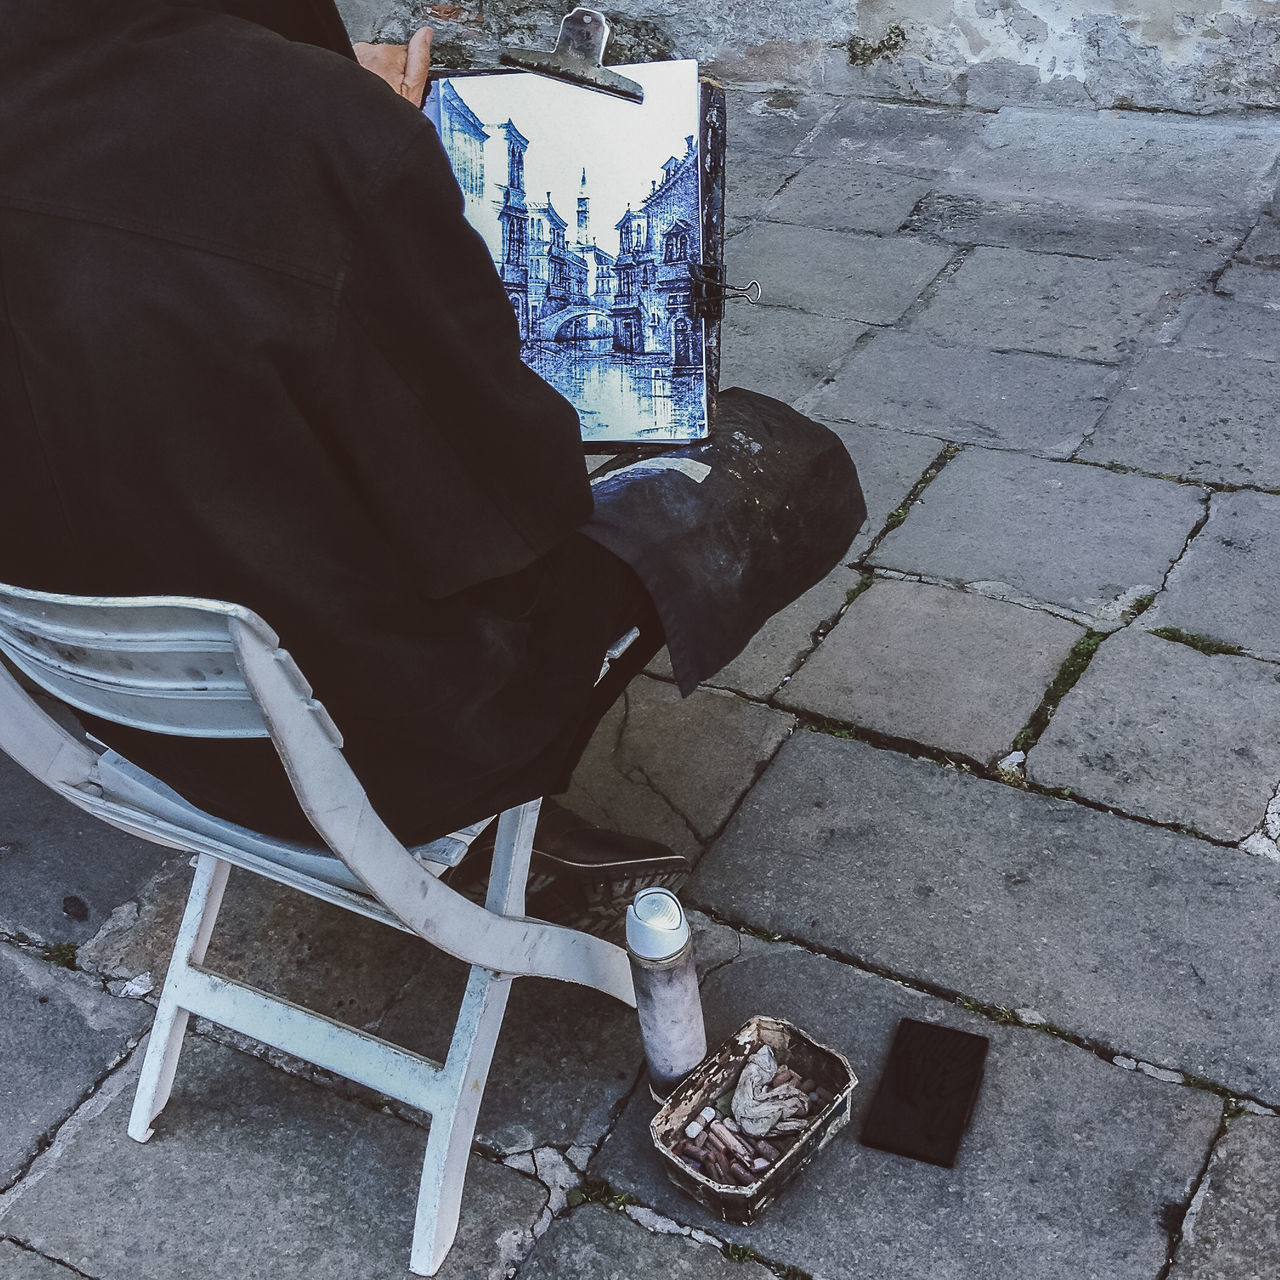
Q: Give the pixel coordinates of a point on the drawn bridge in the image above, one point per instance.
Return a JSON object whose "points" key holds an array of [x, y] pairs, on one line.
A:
{"points": [[552, 326]]}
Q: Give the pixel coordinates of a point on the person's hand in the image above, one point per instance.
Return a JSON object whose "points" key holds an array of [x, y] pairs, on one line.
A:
{"points": [[403, 67]]}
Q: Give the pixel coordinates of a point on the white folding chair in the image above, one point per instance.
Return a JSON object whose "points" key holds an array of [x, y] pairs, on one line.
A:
{"points": [[202, 668]]}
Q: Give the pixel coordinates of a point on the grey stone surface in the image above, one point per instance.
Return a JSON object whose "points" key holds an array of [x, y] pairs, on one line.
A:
{"points": [[1032, 526], [774, 122], [1259, 286], [274, 938], [1144, 941], [780, 351], [1172, 235], [1262, 248], [566, 1056], [750, 179], [51, 852], [889, 464], [922, 140], [1233, 1229], [590, 1243], [945, 668], [1125, 157], [1162, 731], [1225, 327], [59, 1035], [648, 770], [22, 1264], [1196, 414], [1228, 581], [830, 273], [780, 645], [255, 1174], [1064, 1172], [1008, 401], [1057, 305], [846, 197]]}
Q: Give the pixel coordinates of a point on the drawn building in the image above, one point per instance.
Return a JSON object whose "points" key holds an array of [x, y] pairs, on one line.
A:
{"points": [[513, 222], [464, 137]]}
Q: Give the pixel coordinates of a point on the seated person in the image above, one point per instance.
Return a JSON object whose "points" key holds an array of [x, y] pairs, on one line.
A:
{"points": [[250, 350]]}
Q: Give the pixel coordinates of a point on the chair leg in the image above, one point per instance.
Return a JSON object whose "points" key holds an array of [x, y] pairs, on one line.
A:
{"points": [[160, 1064], [453, 1124]]}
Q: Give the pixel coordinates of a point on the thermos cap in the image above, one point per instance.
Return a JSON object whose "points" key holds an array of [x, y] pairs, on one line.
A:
{"points": [[656, 925]]}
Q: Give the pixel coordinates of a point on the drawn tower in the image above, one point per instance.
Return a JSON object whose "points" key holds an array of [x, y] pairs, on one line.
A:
{"points": [[513, 219]]}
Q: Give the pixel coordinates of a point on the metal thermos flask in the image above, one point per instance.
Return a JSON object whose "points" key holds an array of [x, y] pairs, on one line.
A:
{"points": [[667, 997]]}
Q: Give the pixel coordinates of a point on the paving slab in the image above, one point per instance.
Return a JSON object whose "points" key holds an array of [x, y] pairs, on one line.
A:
{"points": [[595, 1243], [750, 179], [926, 141], [22, 1264], [647, 769], [1228, 581], [1233, 1229], [1065, 1171], [782, 352], [780, 645], [1259, 286], [1220, 164], [1262, 248], [1147, 942], [1158, 235], [60, 1033], [566, 1057], [775, 122], [945, 668], [62, 873], [1162, 731], [844, 275], [255, 1174], [275, 938], [1197, 414], [1030, 527], [1058, 305], [844, 196], [1003, 400], [889, 465], [1226, 327]]}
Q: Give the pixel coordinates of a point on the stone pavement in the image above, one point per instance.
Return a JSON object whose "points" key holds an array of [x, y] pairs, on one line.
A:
{"points": [[1012, 767]]}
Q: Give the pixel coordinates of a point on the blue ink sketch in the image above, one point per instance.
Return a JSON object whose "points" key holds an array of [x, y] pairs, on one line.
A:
{"points": [[590, 208]]}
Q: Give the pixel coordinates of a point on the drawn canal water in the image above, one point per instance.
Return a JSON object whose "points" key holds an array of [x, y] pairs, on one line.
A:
{"points": [[622, 390]]}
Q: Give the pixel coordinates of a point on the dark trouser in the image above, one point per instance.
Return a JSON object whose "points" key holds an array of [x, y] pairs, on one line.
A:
{"points": [[697, 549]]}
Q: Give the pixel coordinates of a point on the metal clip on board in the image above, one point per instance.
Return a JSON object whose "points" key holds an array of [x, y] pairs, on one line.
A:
{"points": [[577, 57], [710, 292]]}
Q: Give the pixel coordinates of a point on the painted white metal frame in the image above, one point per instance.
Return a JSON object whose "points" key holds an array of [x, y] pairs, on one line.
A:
{"points": [[208, 669]]}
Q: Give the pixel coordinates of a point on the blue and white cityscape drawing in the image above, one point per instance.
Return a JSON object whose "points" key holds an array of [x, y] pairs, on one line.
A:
{"points": [[590, 208]]}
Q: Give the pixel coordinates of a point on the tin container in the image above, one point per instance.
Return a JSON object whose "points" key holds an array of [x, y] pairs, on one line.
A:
{"points": [[719, 1072]]}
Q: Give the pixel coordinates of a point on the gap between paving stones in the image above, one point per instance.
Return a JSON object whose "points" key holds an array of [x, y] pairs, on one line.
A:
{"points": [[57, 1262]]}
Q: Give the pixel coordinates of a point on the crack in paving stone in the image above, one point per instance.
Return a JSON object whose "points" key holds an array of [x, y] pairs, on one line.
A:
{"points": [[1179, 1220], [899, 514], [57, 1262]]}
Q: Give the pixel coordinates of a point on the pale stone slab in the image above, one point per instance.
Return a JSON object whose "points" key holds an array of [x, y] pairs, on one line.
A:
{"points": [[1032, 527], [1225, 327], [255, 1174], [1158, 235], [782, 352], [1227, 584], [1232, 1231], [62, 873], [945, 668], [889, 465], [843, 275], [1057, 305], [1262, 248], [750, 179], [846, 196], [649, 768], [1259, 286], [1196, 414], [566, 1057], [783, 641], [595, 1243], [913, 139], [772, 122], [1006, 401], [22, 1264], [1161, 731], [59, 1035], [1145, 942], [1065, 1170]]}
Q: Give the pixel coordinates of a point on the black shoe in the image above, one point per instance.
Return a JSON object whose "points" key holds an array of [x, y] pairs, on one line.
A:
{"points": [[580, 875]]}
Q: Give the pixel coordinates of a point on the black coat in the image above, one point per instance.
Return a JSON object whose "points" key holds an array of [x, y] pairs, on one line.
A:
{"points": [[249, 349]]}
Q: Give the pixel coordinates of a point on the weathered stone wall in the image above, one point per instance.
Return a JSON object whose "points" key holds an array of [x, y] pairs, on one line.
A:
{"points": [[1184, 55]]}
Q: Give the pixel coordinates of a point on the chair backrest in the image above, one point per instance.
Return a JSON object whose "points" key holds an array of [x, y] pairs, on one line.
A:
{"points": [[163, 663]]}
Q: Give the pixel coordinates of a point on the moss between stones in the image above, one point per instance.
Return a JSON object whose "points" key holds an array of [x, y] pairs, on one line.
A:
{"points": [[1205, 644], [862, 53], [1071, 670]]}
